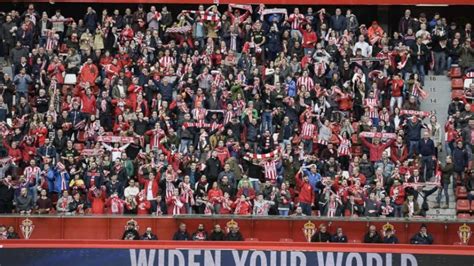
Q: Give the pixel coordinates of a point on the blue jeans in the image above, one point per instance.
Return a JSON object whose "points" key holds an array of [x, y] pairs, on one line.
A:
{"points": [[183, 146], [427, 167], [306, 208], [283, 212], [308, 146], [440, 62], [397, 210], [267, 121], [440, 192], [413, 148], [33, 191], [420, 70], [256, 185]]}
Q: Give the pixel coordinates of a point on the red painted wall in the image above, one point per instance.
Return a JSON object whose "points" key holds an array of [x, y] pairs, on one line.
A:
{"points": [[263, 229]]}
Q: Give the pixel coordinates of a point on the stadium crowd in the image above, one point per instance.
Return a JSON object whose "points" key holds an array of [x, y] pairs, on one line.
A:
{"points": [[251, 111]]}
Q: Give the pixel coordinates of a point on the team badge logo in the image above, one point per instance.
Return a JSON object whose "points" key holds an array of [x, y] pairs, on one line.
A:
{"points": [[309, 229], [27, 228], [464, 233]]}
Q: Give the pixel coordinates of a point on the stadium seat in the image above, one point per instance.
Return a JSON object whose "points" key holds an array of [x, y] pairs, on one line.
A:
{"points": [[457, 94], [461, 192], [462, 205], [455, 72], [464, 216], [457, 84]]}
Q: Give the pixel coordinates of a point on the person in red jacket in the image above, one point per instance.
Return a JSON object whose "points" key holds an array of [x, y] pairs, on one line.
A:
{"points": [[309, 38], [97, 198], [133, 90], [306, 194], [143, 205], [28, 149], [376, 148], [112, 70], [396, 88], [215, 197], [115, 205], [151, 187], [399, 152], [227, 204], [242, 206], [397, 193], [88, 101], [56, 69], [13, 151], [89, 72], [175, 203], [246, 190]]}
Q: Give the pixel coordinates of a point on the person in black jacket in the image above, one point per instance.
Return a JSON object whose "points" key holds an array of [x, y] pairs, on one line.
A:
{"points": [[424, 194], [372, 236], [182, 234], [6, 195], [339, 237], [200, 234], [217, 234], [131, 233], [322, 235], [460, 158], [422, 237], [148, 235], [427, 151], [390, 237], [213, 168], [234, 235]]}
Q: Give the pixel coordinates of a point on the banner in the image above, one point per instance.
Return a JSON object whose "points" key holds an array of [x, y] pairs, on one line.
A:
{"points": [[115, 139], [217, 257], [413, 112], [379, 135]]}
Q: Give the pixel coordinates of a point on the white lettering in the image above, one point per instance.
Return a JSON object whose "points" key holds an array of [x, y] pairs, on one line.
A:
{"points": [[388, 259], [161, 257], [171, 257], [240, 261], [298, 256], [351, 257], [258, 254], [192, 253], [273, 258], [283, 258], [405, 258], [212, 261], [143, 260], [329, 258], [374, 256]]}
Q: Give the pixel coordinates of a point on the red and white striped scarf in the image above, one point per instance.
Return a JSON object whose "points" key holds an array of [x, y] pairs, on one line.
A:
{"points": [[187, 192], [167, 61], [305, 81], [178, 205], [344, 148], [270, 171], [308, 130], [262, 156]]}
